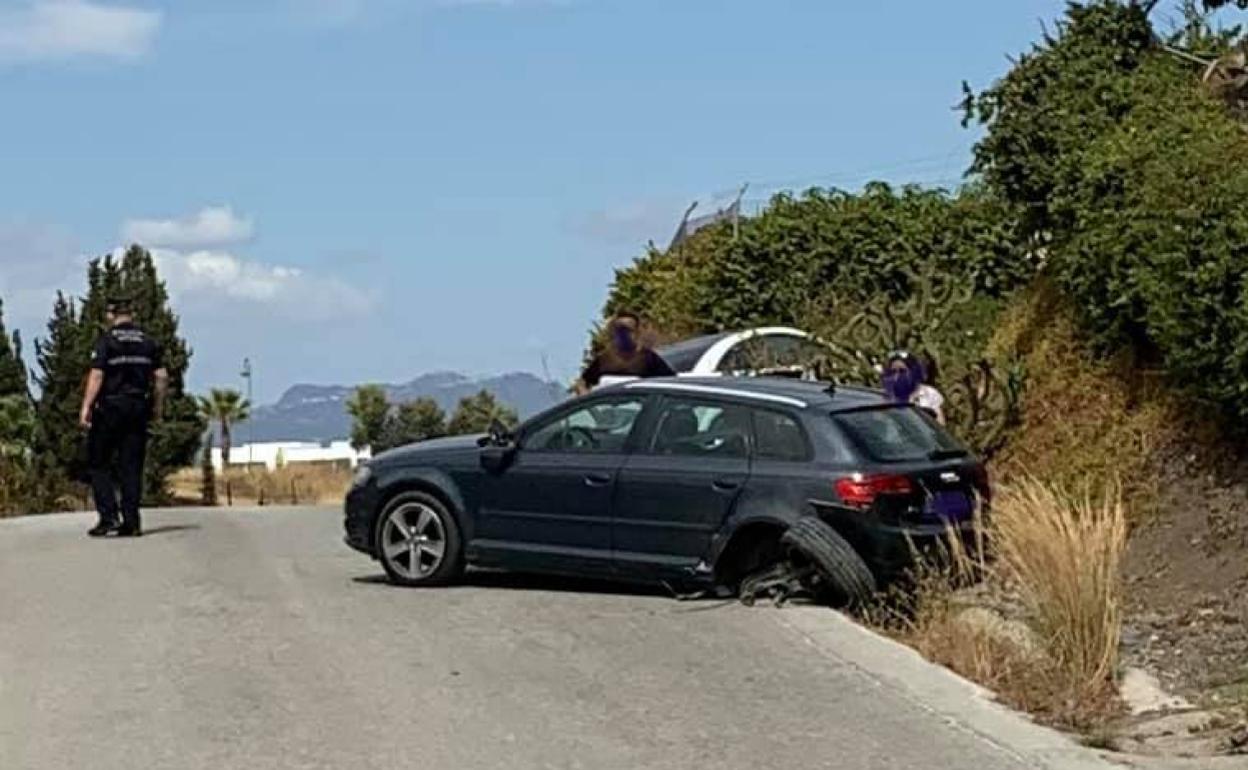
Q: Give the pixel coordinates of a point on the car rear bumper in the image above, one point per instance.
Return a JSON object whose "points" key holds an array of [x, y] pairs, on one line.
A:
{"points": [[890, 549]]}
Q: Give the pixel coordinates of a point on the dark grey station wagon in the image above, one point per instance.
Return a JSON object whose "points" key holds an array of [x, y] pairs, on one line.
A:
{"points": [[689, 481]]}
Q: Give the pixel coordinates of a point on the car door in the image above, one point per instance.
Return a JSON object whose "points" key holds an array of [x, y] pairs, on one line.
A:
{"points": [[679, 484], [551, 507]]}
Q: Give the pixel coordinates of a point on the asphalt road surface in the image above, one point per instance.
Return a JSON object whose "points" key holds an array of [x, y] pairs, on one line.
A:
{"points": [[255, 639]]}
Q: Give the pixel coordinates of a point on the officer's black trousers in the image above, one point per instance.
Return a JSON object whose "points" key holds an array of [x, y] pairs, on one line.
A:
{"points": [[118, 441]]}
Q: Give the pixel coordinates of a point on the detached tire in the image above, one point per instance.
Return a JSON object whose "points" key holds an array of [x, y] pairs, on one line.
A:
{"points": [[835, 559], [418, 541]]}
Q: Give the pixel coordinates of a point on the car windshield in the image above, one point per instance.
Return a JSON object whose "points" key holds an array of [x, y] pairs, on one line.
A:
{"points": [[898, 434]]}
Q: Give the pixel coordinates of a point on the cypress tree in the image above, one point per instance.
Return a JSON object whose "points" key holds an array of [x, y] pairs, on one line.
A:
{"points": [[12, 370], [62, 358]]}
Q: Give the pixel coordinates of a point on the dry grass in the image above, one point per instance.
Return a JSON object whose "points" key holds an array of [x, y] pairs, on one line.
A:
{"points": [[1058, 559], [1064, 556], [295, 484], [1083, 418]]}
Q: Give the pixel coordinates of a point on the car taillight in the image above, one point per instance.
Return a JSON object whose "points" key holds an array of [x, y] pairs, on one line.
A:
{"points": [[860, 490]]}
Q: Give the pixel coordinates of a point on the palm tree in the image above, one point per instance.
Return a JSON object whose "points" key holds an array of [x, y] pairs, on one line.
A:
{"points": [[226, 407]]}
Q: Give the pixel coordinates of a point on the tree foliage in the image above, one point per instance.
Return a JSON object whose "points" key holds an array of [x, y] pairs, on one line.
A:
{"points": [[13, 378], [378, 424], [413, 421], [475, 413], [17, 425], [226, 407], [368, 409], [1133, 176], [824, 246]]}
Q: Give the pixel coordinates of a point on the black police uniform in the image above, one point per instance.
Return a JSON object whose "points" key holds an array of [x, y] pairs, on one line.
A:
{"points": [[128, 358]]}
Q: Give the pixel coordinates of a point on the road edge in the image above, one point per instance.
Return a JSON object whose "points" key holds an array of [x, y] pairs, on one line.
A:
{"points": [[956, 701]]}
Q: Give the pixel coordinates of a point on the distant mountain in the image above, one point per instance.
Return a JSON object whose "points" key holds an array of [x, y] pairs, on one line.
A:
{"points": [[319, 412]]}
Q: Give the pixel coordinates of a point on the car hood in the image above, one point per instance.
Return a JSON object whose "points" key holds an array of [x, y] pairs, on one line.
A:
{"points": [[424, 450]]}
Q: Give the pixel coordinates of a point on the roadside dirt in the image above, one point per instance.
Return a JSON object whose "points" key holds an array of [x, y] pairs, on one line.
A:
{"points": [[1187, 604], [1187, 580]]}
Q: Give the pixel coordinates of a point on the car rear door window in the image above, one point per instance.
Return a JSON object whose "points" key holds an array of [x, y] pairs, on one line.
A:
{"points": [[773, 354], [600, 427], [898, 434], [779, 436], [690, 428]]}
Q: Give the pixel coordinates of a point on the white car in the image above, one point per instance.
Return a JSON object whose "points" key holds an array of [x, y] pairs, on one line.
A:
{"points": [[768, 350]]}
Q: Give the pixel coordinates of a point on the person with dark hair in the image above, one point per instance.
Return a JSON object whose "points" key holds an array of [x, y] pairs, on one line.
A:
{"points": [[623, 355], [927, 395], [907, 381], [901, 377], [125, 390]]}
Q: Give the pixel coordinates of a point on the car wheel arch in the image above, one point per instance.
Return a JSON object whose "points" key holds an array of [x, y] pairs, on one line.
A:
{"points": [[748, 542], [430, 485]]}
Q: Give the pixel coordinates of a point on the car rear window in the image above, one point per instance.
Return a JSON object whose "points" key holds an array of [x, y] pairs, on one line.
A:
{"points": [[898, 434]]}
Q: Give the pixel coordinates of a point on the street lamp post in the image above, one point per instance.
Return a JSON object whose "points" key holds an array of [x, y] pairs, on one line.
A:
{"points": [[246, 375]]}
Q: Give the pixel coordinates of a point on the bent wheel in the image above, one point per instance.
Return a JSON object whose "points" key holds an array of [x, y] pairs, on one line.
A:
{"points": [[842, 569], [418, 541]]}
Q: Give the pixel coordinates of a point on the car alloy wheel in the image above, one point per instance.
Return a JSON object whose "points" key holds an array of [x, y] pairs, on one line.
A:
{"points": [[413, 540]]}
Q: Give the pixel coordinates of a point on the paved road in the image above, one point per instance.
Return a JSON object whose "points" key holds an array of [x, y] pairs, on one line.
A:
{"points": [[255, 639]]}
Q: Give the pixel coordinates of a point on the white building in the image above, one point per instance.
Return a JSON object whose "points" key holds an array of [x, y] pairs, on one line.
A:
{"points": [[275, 454]]}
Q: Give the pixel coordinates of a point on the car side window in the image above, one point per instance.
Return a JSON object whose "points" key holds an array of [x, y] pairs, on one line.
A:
{"points": [[691, 428], [779, 436], [600, 427]]}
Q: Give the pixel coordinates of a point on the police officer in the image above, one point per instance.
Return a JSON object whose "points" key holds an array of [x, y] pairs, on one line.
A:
{"points": [[125, 390]]}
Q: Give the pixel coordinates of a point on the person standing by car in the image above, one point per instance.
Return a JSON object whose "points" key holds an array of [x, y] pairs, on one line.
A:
{"points": [[928, 396], [901, 377], [623, 355], [905, 381], [125, 390]]}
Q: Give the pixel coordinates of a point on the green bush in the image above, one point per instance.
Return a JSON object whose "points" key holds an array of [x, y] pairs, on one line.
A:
{"points": [[824, 247], [1134, 179]]}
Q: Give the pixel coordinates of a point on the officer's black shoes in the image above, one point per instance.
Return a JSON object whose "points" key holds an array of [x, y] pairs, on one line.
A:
{"points": [[104, 528]]}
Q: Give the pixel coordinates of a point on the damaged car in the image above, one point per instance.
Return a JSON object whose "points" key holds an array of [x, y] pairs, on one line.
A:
{"points": [[751, 484]]}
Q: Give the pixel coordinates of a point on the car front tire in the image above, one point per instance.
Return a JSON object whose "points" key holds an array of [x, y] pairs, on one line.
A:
{"points": [[418, 541]]}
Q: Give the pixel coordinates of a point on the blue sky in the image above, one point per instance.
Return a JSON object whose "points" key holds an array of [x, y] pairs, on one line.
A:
{"points": [[355, 190]]}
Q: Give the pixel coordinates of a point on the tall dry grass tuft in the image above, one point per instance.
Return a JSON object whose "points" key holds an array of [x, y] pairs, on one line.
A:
{"points": [[1042, 627], [1063, 555]]}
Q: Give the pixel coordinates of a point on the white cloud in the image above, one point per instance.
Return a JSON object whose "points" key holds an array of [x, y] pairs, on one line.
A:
{"points": [[35, 261], [217, 279], [42, 30], [212, 226]]}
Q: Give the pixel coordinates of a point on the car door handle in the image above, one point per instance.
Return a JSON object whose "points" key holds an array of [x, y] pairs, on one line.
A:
{"points": [[725, 485], [597, 479]]}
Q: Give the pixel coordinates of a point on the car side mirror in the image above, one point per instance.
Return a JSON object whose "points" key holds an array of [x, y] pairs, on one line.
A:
{"points": [[496, 457], [498, 449], [498, 433]]}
